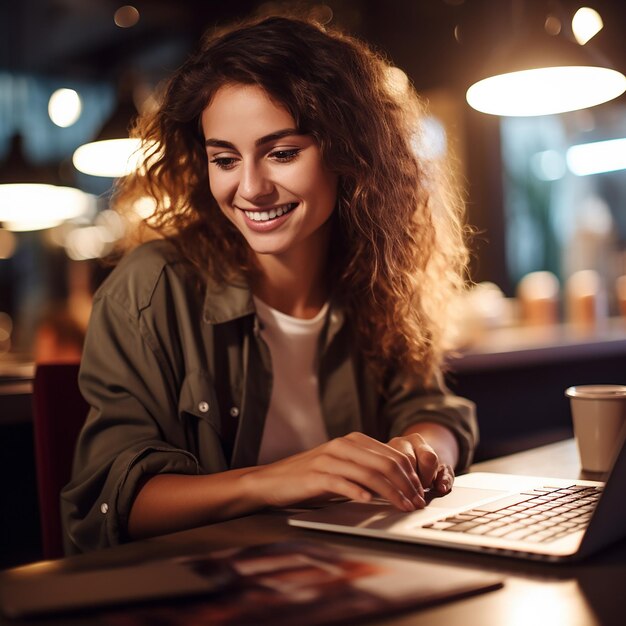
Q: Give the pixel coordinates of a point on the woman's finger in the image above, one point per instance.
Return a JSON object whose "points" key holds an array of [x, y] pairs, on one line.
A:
{"points": [[425, 458], [444, 480], [406, 461], [403, 445], [381, 458], [427, 463], [366, 478]]}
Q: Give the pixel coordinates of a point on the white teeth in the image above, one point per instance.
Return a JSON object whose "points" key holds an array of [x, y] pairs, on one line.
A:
{"points": [[264, 216]]}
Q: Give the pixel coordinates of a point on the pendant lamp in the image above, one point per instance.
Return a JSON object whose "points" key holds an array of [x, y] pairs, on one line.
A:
{"points": [[536, 73], [30, 199], [112, 154]]}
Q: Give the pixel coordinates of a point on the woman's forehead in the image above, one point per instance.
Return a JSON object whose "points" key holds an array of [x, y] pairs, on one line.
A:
{"points": [[241, 109]]}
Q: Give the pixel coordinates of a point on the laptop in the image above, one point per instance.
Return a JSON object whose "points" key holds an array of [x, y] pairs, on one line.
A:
{"points": [[546, 519]]}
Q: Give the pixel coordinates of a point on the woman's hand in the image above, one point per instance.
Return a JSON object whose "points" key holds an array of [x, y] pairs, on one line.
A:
{"points": [[355, 466], [433, 472]]}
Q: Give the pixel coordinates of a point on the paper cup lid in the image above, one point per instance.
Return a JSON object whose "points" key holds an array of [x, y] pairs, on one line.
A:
{"points": [[596, 392]]}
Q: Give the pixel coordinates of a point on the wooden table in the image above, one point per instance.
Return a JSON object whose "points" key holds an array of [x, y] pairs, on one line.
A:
{"points": [[583, 594]]}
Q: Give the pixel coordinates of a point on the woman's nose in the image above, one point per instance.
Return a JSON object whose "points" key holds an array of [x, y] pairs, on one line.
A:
{"points": [[254, 182]]}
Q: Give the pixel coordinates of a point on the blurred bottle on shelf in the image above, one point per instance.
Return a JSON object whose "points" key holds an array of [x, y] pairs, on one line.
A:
{"points": [[538, 295], [620, 292], [587, 304]]}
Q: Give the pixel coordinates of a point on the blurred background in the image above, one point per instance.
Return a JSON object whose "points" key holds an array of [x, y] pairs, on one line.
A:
{"points": [[76, 71]]}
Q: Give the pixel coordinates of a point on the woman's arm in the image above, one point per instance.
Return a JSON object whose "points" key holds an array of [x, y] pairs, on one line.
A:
{"points": [[170, 502], [355, 466]]}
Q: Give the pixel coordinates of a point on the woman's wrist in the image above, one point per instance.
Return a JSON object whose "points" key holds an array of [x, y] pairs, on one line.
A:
{"points": [[251, 488]]}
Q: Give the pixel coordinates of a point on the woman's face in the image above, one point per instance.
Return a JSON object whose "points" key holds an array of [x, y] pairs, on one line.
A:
{"points": [[268, 180]]}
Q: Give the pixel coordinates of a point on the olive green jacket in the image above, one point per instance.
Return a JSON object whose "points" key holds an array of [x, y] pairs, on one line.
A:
{"points": [[180, 383]]}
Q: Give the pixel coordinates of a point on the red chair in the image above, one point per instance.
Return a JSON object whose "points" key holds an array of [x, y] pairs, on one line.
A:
{"points": [[59, 412]]}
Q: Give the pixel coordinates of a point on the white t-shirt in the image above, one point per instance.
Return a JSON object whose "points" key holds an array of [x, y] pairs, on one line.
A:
{"points": [[294, 420]]}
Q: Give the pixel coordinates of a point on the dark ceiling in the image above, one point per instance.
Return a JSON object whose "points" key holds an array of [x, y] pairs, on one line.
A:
{"points": [[79, 39]]}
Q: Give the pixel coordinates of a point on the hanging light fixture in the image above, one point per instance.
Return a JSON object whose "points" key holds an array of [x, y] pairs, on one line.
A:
{"points": [[30, 199], [36, 206], [542, 71], [110, 158], [113, 153]]}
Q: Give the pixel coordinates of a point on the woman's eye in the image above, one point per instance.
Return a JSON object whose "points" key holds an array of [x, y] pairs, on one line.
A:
{"points": [[224, 163], [284, 156]]}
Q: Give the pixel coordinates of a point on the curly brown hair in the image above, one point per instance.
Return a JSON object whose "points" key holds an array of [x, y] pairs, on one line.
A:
{"points": [[398, 240]]}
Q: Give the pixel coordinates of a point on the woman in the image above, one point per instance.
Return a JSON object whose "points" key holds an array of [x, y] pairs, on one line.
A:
{"points": [[288, 321]]}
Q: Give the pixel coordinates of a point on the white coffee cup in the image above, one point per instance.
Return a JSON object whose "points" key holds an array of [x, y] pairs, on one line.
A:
{"points": [[599, 419]]}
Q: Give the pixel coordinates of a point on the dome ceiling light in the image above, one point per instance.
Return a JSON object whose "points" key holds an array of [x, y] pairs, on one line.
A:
{"points": [[31, 199], [541, 71]]}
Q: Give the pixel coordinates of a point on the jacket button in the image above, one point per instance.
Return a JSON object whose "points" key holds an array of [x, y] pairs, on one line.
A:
{"points": [[104, 508], [203, 407], [234, 411]]}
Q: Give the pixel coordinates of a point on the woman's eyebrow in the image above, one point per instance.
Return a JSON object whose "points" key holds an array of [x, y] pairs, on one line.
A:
{"points": [[218, 143], [279, 134]]}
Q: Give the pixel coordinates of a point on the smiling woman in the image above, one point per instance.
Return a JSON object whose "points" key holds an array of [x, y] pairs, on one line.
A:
{"points": [[282, 341]]}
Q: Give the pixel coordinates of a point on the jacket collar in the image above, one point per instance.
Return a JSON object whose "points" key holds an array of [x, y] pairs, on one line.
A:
{"points": [[226, 302]]}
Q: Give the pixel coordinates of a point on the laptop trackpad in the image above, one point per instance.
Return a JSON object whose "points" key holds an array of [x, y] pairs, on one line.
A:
{"points": [[379, 514], [388, 517], [463, 497]]}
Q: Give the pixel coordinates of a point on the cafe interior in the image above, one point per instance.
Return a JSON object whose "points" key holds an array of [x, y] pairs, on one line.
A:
{"points": [[542, 169]]}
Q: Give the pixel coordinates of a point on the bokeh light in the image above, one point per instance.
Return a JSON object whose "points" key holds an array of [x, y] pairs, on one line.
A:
{"points": [[64, 107], [126, 16]]}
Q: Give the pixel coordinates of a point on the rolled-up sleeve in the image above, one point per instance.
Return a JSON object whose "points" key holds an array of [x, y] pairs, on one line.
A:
{"points": [[132, 430], [407, 405]]}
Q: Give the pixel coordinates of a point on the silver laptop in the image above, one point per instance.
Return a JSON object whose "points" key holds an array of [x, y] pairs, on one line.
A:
{"points": [[521, 516]]}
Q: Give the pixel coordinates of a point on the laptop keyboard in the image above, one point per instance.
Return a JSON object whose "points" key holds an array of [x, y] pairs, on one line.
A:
{"points": [[538, 515]]}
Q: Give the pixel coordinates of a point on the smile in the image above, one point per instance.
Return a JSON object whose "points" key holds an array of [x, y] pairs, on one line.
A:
{"points": [[273, 213]]}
